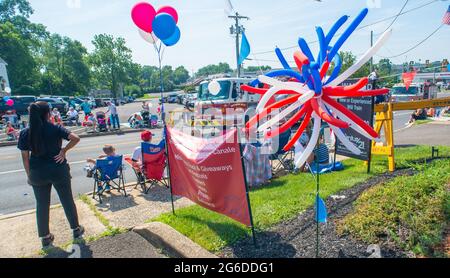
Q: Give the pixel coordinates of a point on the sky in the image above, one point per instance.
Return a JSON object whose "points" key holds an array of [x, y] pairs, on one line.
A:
{"points": [[205, 34]]}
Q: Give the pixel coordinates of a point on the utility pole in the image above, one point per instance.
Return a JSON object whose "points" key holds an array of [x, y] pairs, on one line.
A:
{"points": [[237, 29], [371, 45]]}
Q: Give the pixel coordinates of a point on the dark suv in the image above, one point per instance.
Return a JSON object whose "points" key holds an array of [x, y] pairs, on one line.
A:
{"points": [[21, 104], [58, 103]]}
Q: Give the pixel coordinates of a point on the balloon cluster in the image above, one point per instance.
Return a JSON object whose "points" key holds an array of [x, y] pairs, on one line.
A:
{"points": [[154, 25], [8, 101], [311, 93]]}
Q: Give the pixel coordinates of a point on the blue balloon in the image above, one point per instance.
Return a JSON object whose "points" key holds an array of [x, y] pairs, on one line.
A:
{"points": [[172, 40], [337, 69], [348, 32], [164, 26], [335, 28], [323, 45], [6, 98], [305, 49], [282, 59]]}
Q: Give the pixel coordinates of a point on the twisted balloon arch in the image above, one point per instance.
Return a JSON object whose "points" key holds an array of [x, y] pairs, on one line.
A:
{"points": [[311, 93]]}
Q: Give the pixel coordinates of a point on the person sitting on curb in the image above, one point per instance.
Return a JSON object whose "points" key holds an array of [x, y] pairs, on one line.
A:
{"points": [[11, 132], [419, 114], [109, 152], [72, 116]]}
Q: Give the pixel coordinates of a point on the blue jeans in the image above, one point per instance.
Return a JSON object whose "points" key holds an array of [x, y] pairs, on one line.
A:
{"points": [[115, 121]]}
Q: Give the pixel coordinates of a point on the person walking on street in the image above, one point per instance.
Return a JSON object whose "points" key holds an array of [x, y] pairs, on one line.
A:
{"points": [[86, 106], [45, 164], [112, 109]]}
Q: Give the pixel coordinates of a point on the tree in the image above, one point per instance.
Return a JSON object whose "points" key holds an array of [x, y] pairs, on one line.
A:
{"points": [[180, 75], [214, 69], [16, 52], [110, 60], [20, 40], [258, 69], [64, 66]]}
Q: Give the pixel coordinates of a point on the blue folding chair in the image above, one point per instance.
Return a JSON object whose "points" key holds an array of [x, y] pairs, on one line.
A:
{"points": [[108, 171], [284, 158]]}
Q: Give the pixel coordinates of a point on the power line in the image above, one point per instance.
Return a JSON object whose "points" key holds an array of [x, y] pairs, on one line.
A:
{"points": [[361, 27], [395, 19], [415, 46]]}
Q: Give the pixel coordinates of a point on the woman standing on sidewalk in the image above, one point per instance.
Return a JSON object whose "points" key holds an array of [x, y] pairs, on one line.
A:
{"points": [[45, 163]]}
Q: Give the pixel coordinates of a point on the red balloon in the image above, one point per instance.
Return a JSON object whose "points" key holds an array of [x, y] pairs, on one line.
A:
{"points": [[10, 102], [143, 14], [169, 10]]}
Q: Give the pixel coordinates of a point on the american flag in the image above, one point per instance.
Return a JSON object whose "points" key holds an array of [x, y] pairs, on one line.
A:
{"points": [[446, 19]]}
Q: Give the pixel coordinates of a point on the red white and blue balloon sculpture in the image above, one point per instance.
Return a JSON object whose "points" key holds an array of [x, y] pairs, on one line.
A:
{"points": [[311, 94], [158, 24]]}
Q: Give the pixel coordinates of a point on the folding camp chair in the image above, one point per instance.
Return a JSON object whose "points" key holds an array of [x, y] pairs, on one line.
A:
{"points": [[153, 165], [283, 159], [108, 171]]}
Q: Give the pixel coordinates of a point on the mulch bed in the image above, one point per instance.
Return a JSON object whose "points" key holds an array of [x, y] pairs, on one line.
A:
{"points": [[296, 238]]}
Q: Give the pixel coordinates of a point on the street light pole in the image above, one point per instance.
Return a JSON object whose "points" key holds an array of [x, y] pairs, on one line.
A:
{"points": [[237, 29]]}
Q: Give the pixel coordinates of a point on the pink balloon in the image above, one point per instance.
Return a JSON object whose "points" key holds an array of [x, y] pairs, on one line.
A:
{"points": [[143, 14], [10, 102], [169, 10]]}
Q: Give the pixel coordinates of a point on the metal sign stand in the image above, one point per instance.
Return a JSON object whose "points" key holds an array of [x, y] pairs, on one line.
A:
{"points": [[247, 191]]}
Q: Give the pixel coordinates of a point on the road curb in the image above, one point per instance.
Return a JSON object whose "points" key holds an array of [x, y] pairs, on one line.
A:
{"points": [[171, 241], [25, 212]]}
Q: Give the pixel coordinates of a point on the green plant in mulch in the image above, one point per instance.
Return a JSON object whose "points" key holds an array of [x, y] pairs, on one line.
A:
{"points": [[281, 200], [412, 211]]}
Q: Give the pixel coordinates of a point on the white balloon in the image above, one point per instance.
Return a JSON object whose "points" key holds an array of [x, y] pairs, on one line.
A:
{"points": [[341, 136], [149, 37], [278, 86], [355, 126], [296, 105], [214, 87], [344, 140], [364, 59], [8, 90], [312, 142]]}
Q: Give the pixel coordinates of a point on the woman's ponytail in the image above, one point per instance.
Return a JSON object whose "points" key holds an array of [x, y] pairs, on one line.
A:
{"points": [[39, 112]]}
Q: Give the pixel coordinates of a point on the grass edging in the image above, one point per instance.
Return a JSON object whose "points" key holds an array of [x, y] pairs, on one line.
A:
{"points": [[280, 201]]}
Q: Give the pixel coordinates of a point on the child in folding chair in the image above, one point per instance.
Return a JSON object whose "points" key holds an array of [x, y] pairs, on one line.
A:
{"points": [[109, 152]]}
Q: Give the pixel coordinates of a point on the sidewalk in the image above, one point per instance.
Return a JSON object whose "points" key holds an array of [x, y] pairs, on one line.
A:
{"points": [[19, 235]]}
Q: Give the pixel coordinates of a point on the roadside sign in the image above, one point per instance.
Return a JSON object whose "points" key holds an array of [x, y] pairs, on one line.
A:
{"points": [[363, 108]]}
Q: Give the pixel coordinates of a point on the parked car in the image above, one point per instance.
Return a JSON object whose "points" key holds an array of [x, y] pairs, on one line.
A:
{"points": [[21, 104], [58, 103], [172, 98]]}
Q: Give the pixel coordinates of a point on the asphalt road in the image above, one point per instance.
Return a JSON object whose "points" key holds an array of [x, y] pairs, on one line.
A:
{"points": [[16, 195]]}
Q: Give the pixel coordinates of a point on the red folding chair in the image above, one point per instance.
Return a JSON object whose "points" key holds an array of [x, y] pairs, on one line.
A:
{"points": [[154, 162]]}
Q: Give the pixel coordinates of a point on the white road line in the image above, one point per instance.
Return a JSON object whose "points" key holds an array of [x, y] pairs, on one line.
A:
{"points": [[22, 170]]}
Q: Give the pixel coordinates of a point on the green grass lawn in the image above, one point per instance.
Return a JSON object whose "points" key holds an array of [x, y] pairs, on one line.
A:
{"points": [[150, 96], [422, 122], [282, 200], [412, 210]]}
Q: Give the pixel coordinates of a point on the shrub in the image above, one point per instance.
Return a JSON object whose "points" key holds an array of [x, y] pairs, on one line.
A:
{"points": [[412, 211]]}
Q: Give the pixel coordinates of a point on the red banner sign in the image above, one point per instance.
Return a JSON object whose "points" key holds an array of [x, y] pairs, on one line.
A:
{"points": [[408, 78], [209, 173]]}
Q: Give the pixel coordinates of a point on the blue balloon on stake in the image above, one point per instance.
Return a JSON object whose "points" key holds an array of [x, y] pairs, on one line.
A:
{"points": [[172, 40], [164, 26], [5, 98]]}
